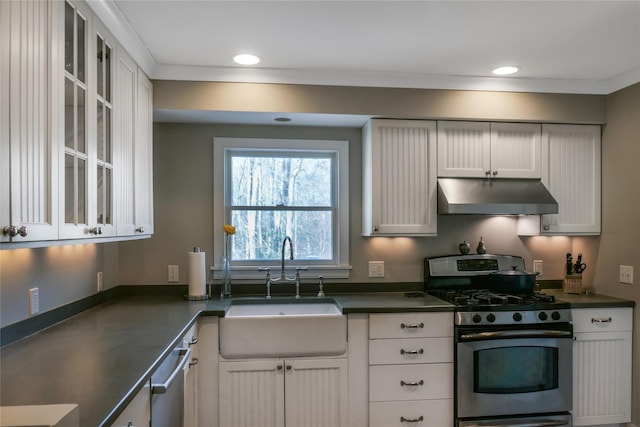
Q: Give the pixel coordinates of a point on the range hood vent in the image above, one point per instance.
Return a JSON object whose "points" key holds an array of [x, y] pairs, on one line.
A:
{"points": [[482, 196]]}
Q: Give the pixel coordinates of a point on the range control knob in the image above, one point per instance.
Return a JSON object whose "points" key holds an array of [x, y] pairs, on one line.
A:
{"points": [[491, 317], [476, 318], [517, 317], [555, 315], [542, 315]]}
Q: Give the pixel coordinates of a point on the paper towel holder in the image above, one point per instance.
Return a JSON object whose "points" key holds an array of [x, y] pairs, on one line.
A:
{"points": [[197, 297]]}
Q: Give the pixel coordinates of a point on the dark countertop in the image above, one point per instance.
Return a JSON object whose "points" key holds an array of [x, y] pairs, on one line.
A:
{"points": [[590, 301], [101, 357]]}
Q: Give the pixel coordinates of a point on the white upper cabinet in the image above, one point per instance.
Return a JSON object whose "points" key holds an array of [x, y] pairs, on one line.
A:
{"points": [[58, 155], [133, 139], [144, 156], [399, 178], [571, 172], [30, 120], [482, 149]]}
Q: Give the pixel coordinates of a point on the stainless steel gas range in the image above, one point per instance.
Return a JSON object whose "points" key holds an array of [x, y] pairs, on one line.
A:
{"points": [[513, 352]]}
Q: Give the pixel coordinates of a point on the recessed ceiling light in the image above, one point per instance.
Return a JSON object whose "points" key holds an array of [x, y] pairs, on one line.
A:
{"points": [[246, 59], [506, 70]]}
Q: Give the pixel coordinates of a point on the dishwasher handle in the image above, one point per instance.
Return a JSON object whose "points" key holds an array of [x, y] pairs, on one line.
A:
{"points": [[161, 388]]}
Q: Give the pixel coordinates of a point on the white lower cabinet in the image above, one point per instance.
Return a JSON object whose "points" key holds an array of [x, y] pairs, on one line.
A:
{"points": [[279, 392], [138, 411], [602, 365], [411, 369]]}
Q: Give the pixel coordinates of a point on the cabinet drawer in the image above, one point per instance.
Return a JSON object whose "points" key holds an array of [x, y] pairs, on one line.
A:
{"points": [[410, 382], [602, 319], [410, 350], [410, 325], [427, 413]]}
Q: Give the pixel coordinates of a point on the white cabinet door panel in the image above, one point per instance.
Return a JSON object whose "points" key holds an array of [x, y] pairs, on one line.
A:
{"points": [[410, 325], [572, 173], [316, 393], [423, 413], [464, 149], [399, 178], [32, 124], [252, 394], [516, 150], [410, 350], [410, 382]]}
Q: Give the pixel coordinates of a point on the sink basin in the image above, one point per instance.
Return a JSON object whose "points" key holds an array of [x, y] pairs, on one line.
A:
{"points": [[293, 328], [282, 309]]}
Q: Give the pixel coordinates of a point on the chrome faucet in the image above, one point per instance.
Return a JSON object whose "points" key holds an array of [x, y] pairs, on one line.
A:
{"points": [[284, 244], [283, 277]]}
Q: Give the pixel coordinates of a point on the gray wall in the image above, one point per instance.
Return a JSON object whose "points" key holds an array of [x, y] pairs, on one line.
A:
{"points": [[183, 200], [63, 274]]}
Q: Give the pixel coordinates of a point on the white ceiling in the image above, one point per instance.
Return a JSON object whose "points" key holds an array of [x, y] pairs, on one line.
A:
{"points": [[562, 46]]}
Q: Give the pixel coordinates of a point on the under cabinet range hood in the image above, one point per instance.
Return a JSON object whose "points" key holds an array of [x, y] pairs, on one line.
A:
{"points": [[483, 196]]}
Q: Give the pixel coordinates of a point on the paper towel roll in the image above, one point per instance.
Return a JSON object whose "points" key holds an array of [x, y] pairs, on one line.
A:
{"points": [[197, 274]]}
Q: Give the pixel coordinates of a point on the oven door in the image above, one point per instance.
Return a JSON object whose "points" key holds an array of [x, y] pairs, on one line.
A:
{"points": [[513, 371]]}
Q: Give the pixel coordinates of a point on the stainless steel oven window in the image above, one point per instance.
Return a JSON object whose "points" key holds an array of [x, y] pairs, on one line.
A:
{"points": [[509, 370]]}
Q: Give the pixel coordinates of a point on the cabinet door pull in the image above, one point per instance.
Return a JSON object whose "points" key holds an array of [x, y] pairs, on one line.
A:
{"points": [[140, 229], [411, 383], [607, 320], [14, 231], [403, 351], [193, 362], [412, 326], [194, 341], [411, 420]]}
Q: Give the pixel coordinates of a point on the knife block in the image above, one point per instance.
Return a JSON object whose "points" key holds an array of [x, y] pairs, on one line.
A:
{"points": [[572, 284]]}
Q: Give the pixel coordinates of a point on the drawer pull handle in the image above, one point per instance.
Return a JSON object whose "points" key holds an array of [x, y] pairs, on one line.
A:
{"points": [[403, 351], [411, 383], [594, 320], [412, 326], [193, 362], [411, 420]]}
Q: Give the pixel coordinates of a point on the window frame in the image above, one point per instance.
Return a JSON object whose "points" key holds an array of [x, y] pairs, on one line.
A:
{"points": [[338, 267]]}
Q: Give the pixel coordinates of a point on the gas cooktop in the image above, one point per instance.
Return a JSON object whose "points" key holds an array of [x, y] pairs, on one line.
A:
{"points": [[465, 281]]}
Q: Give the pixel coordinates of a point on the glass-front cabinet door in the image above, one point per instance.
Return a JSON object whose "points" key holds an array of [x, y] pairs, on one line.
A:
{"points": [[103, 219], [88, 141], [76, 156]]}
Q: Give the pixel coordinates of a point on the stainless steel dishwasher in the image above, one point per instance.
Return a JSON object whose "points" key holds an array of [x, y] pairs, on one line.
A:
{"points": [[167, 390]]}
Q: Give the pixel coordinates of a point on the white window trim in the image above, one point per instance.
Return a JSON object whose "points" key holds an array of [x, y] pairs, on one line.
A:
{"points": [[341, 269]]}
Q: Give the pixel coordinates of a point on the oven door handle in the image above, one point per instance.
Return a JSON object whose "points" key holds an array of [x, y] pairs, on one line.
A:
{"points": [[517, 333], [525, 424]]}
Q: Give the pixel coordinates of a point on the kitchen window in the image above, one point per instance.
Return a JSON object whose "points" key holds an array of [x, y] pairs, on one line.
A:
{"points": [[274, 188]]}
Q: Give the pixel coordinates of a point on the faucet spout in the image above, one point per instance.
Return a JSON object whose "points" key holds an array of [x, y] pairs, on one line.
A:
{"points": [[284, 243]]}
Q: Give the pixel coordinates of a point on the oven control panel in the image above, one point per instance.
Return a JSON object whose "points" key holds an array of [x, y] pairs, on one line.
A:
{"points": [[531, 317]]}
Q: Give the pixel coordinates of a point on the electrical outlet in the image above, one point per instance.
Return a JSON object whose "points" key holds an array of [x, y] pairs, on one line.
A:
{"points": [[376, 268], [100, 281], [538, 267], [626, 274], [174, 274], [34, 301]]}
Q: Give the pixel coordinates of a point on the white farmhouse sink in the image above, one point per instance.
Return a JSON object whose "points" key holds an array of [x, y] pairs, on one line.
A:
{"points": [[282, 329]]}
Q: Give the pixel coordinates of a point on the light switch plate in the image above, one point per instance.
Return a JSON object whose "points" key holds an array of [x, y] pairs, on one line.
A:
{"points": [[34, 301], [173, 274], [626, 274], [538, 267], [376, 268]]}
